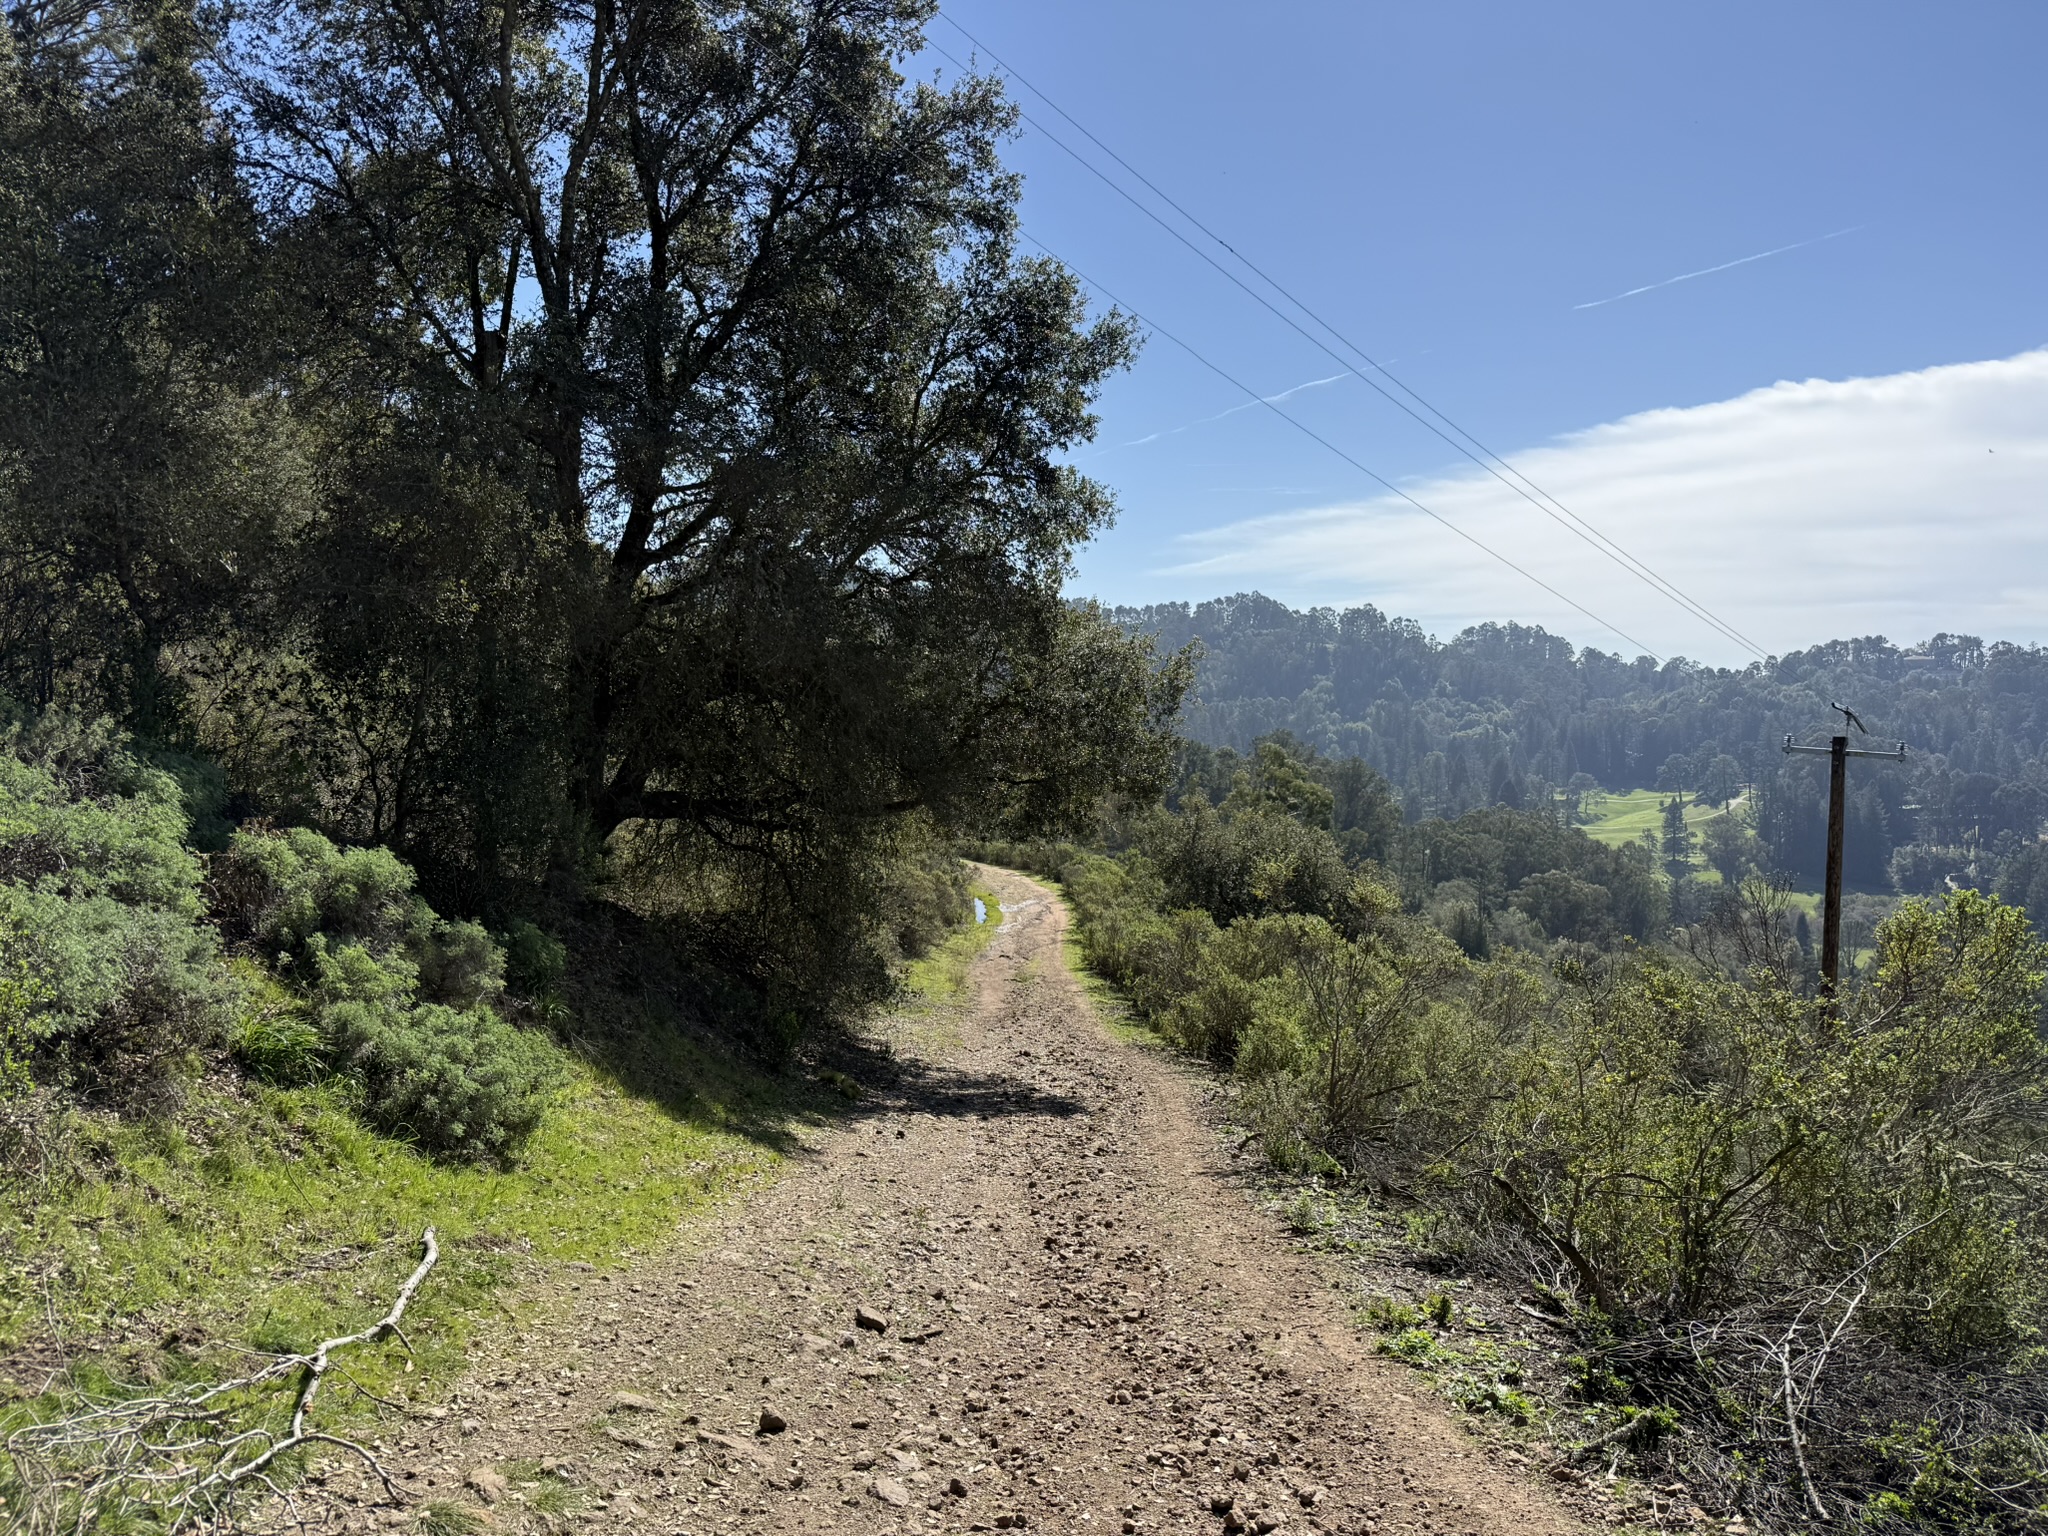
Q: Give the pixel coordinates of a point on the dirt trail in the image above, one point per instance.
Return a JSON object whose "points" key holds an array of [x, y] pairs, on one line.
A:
{"points": [[1088, 1330]]}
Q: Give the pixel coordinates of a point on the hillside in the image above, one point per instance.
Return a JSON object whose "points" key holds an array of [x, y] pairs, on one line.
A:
{"points": [[1501, 713]]}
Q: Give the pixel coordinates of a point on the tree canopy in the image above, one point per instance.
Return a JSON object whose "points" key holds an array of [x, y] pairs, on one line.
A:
{"points": [[536, 436]]}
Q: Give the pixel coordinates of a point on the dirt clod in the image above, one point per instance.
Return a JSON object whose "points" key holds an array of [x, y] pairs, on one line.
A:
{"points": [[487, 1483]]}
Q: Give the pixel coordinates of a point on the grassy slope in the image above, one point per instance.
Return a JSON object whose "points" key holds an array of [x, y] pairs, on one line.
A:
{"points": [[270, 1218], [1624, 817]]}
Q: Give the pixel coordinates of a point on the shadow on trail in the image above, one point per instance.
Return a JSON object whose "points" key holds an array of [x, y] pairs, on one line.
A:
{"points": [[639, 1012], [945, 1091]]}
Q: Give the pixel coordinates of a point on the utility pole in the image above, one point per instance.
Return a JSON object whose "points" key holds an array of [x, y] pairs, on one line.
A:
{"points": [[1838, 752]]}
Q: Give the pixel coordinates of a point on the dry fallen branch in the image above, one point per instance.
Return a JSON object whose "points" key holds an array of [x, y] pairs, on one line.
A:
{"points": [[185, 1457]]}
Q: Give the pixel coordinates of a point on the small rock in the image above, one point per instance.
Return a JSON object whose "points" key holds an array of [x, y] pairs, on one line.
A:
{"points": [[1222, 1503], [632, 1402], [1311, 1497], [977, 1405], [873, 1322], [891, 1492], [863, 1461], [487, 1483], [957, 1487], [1241, 1472], [848, 1339], [471, 1426], [772, 1423], [1014, 1522]]}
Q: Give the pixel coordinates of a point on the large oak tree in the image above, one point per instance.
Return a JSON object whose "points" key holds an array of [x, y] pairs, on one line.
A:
{"points": [[757, 410]]}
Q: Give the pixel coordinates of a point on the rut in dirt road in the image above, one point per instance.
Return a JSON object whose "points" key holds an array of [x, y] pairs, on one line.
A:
{"points": [[1020, 1294]]}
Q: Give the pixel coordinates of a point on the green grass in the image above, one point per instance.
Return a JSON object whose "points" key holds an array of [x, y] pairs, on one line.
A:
{"points": [[940, 977], [1623, 817], [270, 1218]]}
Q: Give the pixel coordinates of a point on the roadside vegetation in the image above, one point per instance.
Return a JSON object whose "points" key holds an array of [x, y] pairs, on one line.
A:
{"points": [[1800, 1247], [241, 1084]]}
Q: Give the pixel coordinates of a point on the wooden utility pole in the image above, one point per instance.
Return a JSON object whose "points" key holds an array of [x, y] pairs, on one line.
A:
{"points": [[1839, 752]]}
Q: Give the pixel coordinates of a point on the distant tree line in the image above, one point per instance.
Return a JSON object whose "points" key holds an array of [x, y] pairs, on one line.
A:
{"points": [[1508, 715]]}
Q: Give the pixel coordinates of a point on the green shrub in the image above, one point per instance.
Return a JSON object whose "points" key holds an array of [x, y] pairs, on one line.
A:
{"points": [[1391, 1315], [81, 816], [99, 908], [21, 994], [395, 996], [1254, 862], [460, 964], [1477, 1393], [923, 895], [1692, 1144], [1416, 1346], [452, 1082], [534, 959], [282, 888]]}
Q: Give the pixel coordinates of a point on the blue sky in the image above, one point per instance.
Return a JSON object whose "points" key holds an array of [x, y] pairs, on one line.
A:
{"points": [[1790, 440]]}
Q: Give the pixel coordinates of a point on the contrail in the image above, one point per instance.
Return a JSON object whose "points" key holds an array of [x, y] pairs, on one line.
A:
{"points": [[1285, 394], [1706, 271]]}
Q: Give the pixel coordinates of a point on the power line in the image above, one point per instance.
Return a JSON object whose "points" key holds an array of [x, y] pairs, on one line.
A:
{"points": [[1485, 457], [1308, 431]]}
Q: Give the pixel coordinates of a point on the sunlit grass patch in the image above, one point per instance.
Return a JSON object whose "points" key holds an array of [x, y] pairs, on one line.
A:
{"points": [[939, 977]]}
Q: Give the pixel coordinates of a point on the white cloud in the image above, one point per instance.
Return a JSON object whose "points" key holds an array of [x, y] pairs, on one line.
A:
{"points": [[1901, 505]]}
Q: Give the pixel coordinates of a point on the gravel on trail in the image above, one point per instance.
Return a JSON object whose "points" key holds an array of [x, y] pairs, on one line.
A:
{"points": [[1020, 1290]]}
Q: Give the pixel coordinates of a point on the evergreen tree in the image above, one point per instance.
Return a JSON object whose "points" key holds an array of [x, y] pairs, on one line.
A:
{"points": [[1677, 842]]}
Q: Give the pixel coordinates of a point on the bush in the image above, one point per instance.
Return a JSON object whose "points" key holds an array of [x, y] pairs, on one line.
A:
{"points": [[99, 909], [923, 894], [1252, 863], [281, 888], [535, 960], [452, 1082], [398, 997]]}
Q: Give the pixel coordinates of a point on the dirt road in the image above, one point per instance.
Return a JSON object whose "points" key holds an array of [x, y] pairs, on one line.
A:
{"points": [[1022, 1292]]}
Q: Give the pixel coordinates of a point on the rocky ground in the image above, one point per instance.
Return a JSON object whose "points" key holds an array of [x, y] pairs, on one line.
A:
{"points": [[1020, 1290]]}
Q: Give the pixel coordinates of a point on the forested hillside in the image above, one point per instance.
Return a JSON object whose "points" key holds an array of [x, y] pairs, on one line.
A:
{"points": [[1506, 714]]}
